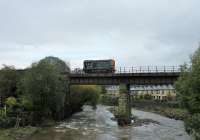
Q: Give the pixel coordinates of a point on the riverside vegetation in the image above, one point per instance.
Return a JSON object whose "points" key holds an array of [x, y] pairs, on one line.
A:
{"points": [[39, 96], [170, 109], [188, 88]]}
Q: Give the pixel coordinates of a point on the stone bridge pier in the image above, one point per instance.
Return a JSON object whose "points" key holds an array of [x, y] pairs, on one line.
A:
{"points": [[123, 112]]}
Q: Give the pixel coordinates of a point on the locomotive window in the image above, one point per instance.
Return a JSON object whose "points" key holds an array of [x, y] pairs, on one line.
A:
{"points": [[89, 64]]}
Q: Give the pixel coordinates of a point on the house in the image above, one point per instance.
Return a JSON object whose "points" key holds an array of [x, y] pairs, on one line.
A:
{"points": [[156, 92]]}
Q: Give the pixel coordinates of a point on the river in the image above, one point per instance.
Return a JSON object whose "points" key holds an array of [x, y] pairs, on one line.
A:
{"points": [[97, 125]]}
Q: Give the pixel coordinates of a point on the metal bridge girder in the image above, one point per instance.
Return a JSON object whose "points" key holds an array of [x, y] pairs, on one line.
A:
{"points": [[126, 78]]}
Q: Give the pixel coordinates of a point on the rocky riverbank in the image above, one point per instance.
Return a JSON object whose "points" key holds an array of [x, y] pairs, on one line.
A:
{"points": [[135, 120]]}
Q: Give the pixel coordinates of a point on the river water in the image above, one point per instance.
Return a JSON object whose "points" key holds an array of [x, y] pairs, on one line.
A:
{"points": [[97, 125]]}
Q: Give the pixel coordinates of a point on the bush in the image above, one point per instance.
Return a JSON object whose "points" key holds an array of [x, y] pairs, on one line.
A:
{"points": [[8, 81], [83, 94], [44, 89], [11, 101], [192, 125], [2, 112], [7, 122]]}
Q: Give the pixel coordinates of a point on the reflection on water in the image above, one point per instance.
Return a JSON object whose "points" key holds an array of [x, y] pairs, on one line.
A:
{"points": [[97, 125]]}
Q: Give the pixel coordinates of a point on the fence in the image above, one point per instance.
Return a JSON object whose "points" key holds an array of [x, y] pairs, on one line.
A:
{"points": [[139, 69]]}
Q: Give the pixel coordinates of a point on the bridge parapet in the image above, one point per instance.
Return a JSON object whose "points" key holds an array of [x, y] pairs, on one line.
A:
{"points": [[139, 69], [125, 75]]}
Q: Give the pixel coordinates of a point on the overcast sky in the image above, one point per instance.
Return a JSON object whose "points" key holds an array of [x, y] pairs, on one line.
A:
{"points": [[133, 32]]}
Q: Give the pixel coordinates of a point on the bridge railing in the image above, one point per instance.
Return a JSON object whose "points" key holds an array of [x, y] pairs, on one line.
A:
{"points": [[140, 69], [148, 69]]}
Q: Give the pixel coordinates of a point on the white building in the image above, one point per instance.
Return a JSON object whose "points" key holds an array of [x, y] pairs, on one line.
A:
{"points": [[157, 92]]}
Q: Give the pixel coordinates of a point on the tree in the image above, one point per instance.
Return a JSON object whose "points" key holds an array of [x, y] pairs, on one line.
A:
{"points": [[44, 86], [58, 63], [8, 81], [62, 68], [84, 94], [188, 84], [188, 88]]}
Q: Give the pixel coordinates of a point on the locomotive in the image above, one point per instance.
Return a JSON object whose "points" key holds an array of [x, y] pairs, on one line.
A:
{"points": [[99, 66]]}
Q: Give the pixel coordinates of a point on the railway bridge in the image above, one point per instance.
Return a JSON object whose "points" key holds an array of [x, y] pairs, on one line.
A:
{"points": [[127, 77], [164, 78], [133, 76]]}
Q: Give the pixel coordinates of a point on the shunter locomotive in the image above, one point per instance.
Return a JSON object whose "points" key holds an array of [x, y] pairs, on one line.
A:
{"points": [[99, 66]]}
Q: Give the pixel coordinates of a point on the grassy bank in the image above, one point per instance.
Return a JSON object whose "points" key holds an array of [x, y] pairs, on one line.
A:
{"points": [[21, 133], [168, 109], [174, 113]]}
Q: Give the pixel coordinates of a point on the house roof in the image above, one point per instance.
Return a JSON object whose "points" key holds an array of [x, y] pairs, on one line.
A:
{"points": [[152, 87]]}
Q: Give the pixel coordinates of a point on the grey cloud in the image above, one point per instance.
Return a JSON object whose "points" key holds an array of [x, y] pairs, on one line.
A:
{"points": [[134, 32]]}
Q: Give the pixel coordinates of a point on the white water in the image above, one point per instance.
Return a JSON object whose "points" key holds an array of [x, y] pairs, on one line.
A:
{"points": [[97, 125]]}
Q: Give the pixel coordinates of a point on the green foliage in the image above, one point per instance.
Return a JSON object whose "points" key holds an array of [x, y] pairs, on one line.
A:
{"points": [[2, 112], [26, 103], [11, 101], [18, 134], [188, 85], [85, 94], [8, 81], [41, 93], [44, 89], [188, 88], [59, 64], [192, 125], [6, 122]]}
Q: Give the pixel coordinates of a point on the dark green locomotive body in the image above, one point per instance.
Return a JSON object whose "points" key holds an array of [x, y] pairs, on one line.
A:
{"points": [[99, 66]]}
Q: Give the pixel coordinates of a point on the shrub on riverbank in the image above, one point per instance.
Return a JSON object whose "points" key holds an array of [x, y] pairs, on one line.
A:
{"points": [[174, 113], [84, 94], [163, 108], [188, 89], [192, 125], [17, 134]]}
